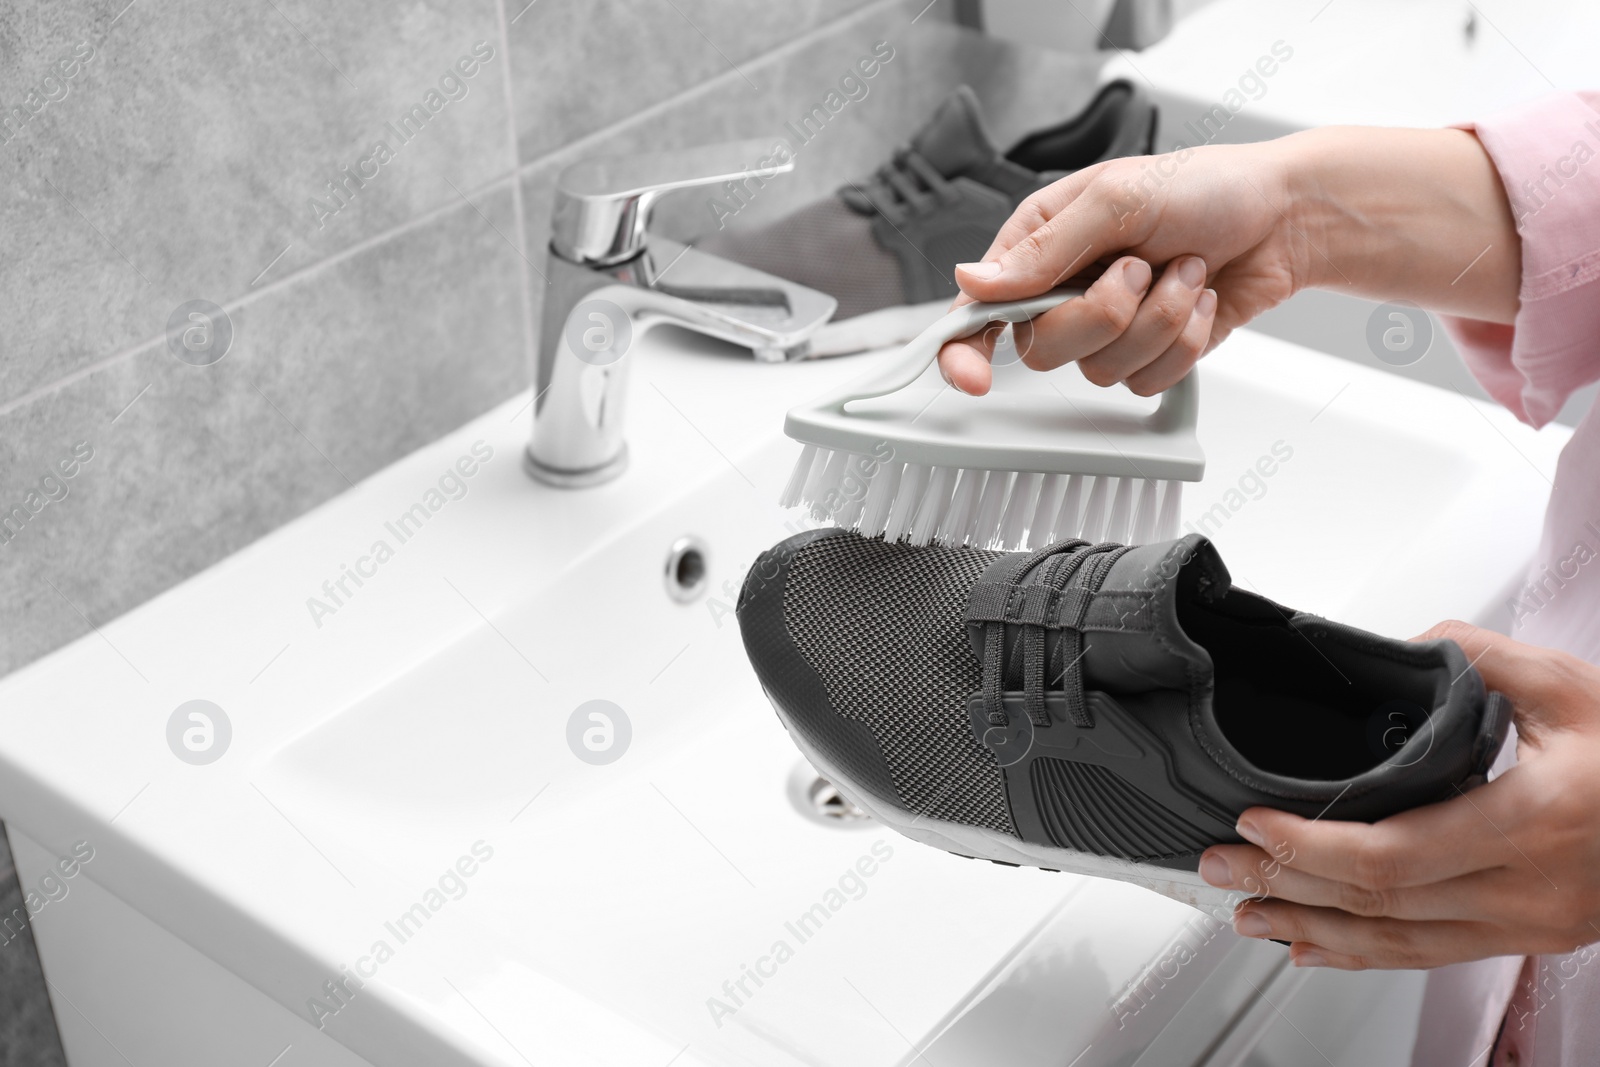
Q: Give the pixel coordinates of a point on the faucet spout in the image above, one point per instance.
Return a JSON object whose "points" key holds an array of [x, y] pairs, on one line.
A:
{"points": [[611, 281], [594, 318]]}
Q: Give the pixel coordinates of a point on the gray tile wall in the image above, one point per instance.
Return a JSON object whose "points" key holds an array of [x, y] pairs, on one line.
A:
{"points": [[163, 151]]}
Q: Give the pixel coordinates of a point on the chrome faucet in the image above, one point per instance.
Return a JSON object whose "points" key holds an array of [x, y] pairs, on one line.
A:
{"points": [[608, 284]]}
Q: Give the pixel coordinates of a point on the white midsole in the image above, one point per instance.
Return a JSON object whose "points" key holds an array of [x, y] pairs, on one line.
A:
{"points": [[982, 843]]}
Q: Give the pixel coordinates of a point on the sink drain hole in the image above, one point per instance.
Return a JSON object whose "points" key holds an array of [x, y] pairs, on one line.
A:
{"points": [[831, 804], [821, 801]]}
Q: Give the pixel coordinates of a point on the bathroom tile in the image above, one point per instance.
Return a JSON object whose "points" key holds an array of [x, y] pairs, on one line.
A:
{"points": [[186, 151], [27, 1023], [580, 65], [329, 378]]}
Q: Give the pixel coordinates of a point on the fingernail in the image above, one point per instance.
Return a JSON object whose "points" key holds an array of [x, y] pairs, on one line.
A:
{"points": [[1310, 959], [1192, 272], [1250, 832], [1214, 869], [980, 270], [1136, 272], [1207, 302], [1249, 924]]}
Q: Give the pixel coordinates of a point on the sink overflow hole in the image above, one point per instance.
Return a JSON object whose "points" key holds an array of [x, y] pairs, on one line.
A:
{"points": [[686, 569]]}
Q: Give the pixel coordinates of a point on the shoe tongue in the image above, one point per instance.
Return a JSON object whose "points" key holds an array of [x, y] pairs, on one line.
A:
{"points": [[954, 139]]}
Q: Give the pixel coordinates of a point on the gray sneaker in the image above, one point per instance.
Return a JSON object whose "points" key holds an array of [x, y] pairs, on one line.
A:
{"points": [[1097, 708], [891, 240]]}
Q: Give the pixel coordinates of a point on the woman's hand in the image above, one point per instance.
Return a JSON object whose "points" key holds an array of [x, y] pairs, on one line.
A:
{"points": [[1198, 242], [1204, 217], [1510, 868]]}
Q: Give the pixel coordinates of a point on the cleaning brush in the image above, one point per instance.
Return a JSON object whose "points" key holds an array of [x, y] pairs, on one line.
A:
{"points": [[1011, 470]]}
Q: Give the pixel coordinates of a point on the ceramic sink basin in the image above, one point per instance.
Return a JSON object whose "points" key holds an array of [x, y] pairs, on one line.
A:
{"points": [[408, 741]]}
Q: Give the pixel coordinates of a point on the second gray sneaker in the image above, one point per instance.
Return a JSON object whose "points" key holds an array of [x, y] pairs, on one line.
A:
{"points": [[891, 240]]}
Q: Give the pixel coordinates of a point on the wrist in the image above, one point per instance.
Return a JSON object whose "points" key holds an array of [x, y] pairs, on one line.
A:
{"points": [[1331, 230], [1417, 215]]}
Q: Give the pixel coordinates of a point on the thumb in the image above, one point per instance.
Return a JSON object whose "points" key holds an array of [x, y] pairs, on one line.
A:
{"points": [[1540, 682], [1071, 231], [1036, 264]]}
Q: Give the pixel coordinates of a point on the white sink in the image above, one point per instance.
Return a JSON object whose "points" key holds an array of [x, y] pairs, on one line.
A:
{"points": [[427, 713]]}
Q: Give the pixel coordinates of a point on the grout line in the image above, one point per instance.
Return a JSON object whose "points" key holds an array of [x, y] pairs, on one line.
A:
{"points": [[519, 217], [254, 295]]}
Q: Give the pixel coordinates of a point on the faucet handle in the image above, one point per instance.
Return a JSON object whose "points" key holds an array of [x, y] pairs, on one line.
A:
{"points": [[602, 205]]}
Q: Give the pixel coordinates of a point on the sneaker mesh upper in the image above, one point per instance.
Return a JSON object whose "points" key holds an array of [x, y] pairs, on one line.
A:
{"points": [[881, 625]]}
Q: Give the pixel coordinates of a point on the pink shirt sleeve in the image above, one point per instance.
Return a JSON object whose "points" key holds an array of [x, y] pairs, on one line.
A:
{"points": [[1548, 155]]}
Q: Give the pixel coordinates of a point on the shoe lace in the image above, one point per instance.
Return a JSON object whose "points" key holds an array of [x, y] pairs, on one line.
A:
{"points": [[906, 185], [1074, 571]]}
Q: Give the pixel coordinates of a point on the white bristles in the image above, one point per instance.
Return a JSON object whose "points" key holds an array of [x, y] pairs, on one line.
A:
{"points": [[1171, 505], [954, 507], [1119, 526], [991, 505], [1144, 518], [1051, 486], [935, 500], [1094, 510], [819, 465], [1066, 524], [824, 496], [880, 497], [963, 506], [1013, 524], [797, 479], [906, 500], [851, 493]]}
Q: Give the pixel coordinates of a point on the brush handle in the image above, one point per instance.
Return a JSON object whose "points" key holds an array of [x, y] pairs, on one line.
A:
{"points": [[1180, 405]]}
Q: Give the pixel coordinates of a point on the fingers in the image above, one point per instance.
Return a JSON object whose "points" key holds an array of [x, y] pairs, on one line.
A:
{"points": [[1169, 368], [1082, 327], [1333, 938], [1417, 847], [1075, 329], [1052, 235], [1540, 681], [1056, 234], [1123, 328], [1500, 660], [1247, 868], [1037, 262], [1158, 323], [965, 365], [1035, 211]]}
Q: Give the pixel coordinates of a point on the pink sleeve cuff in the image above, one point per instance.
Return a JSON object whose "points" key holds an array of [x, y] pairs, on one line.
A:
{"points": [[1548, 155]]}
